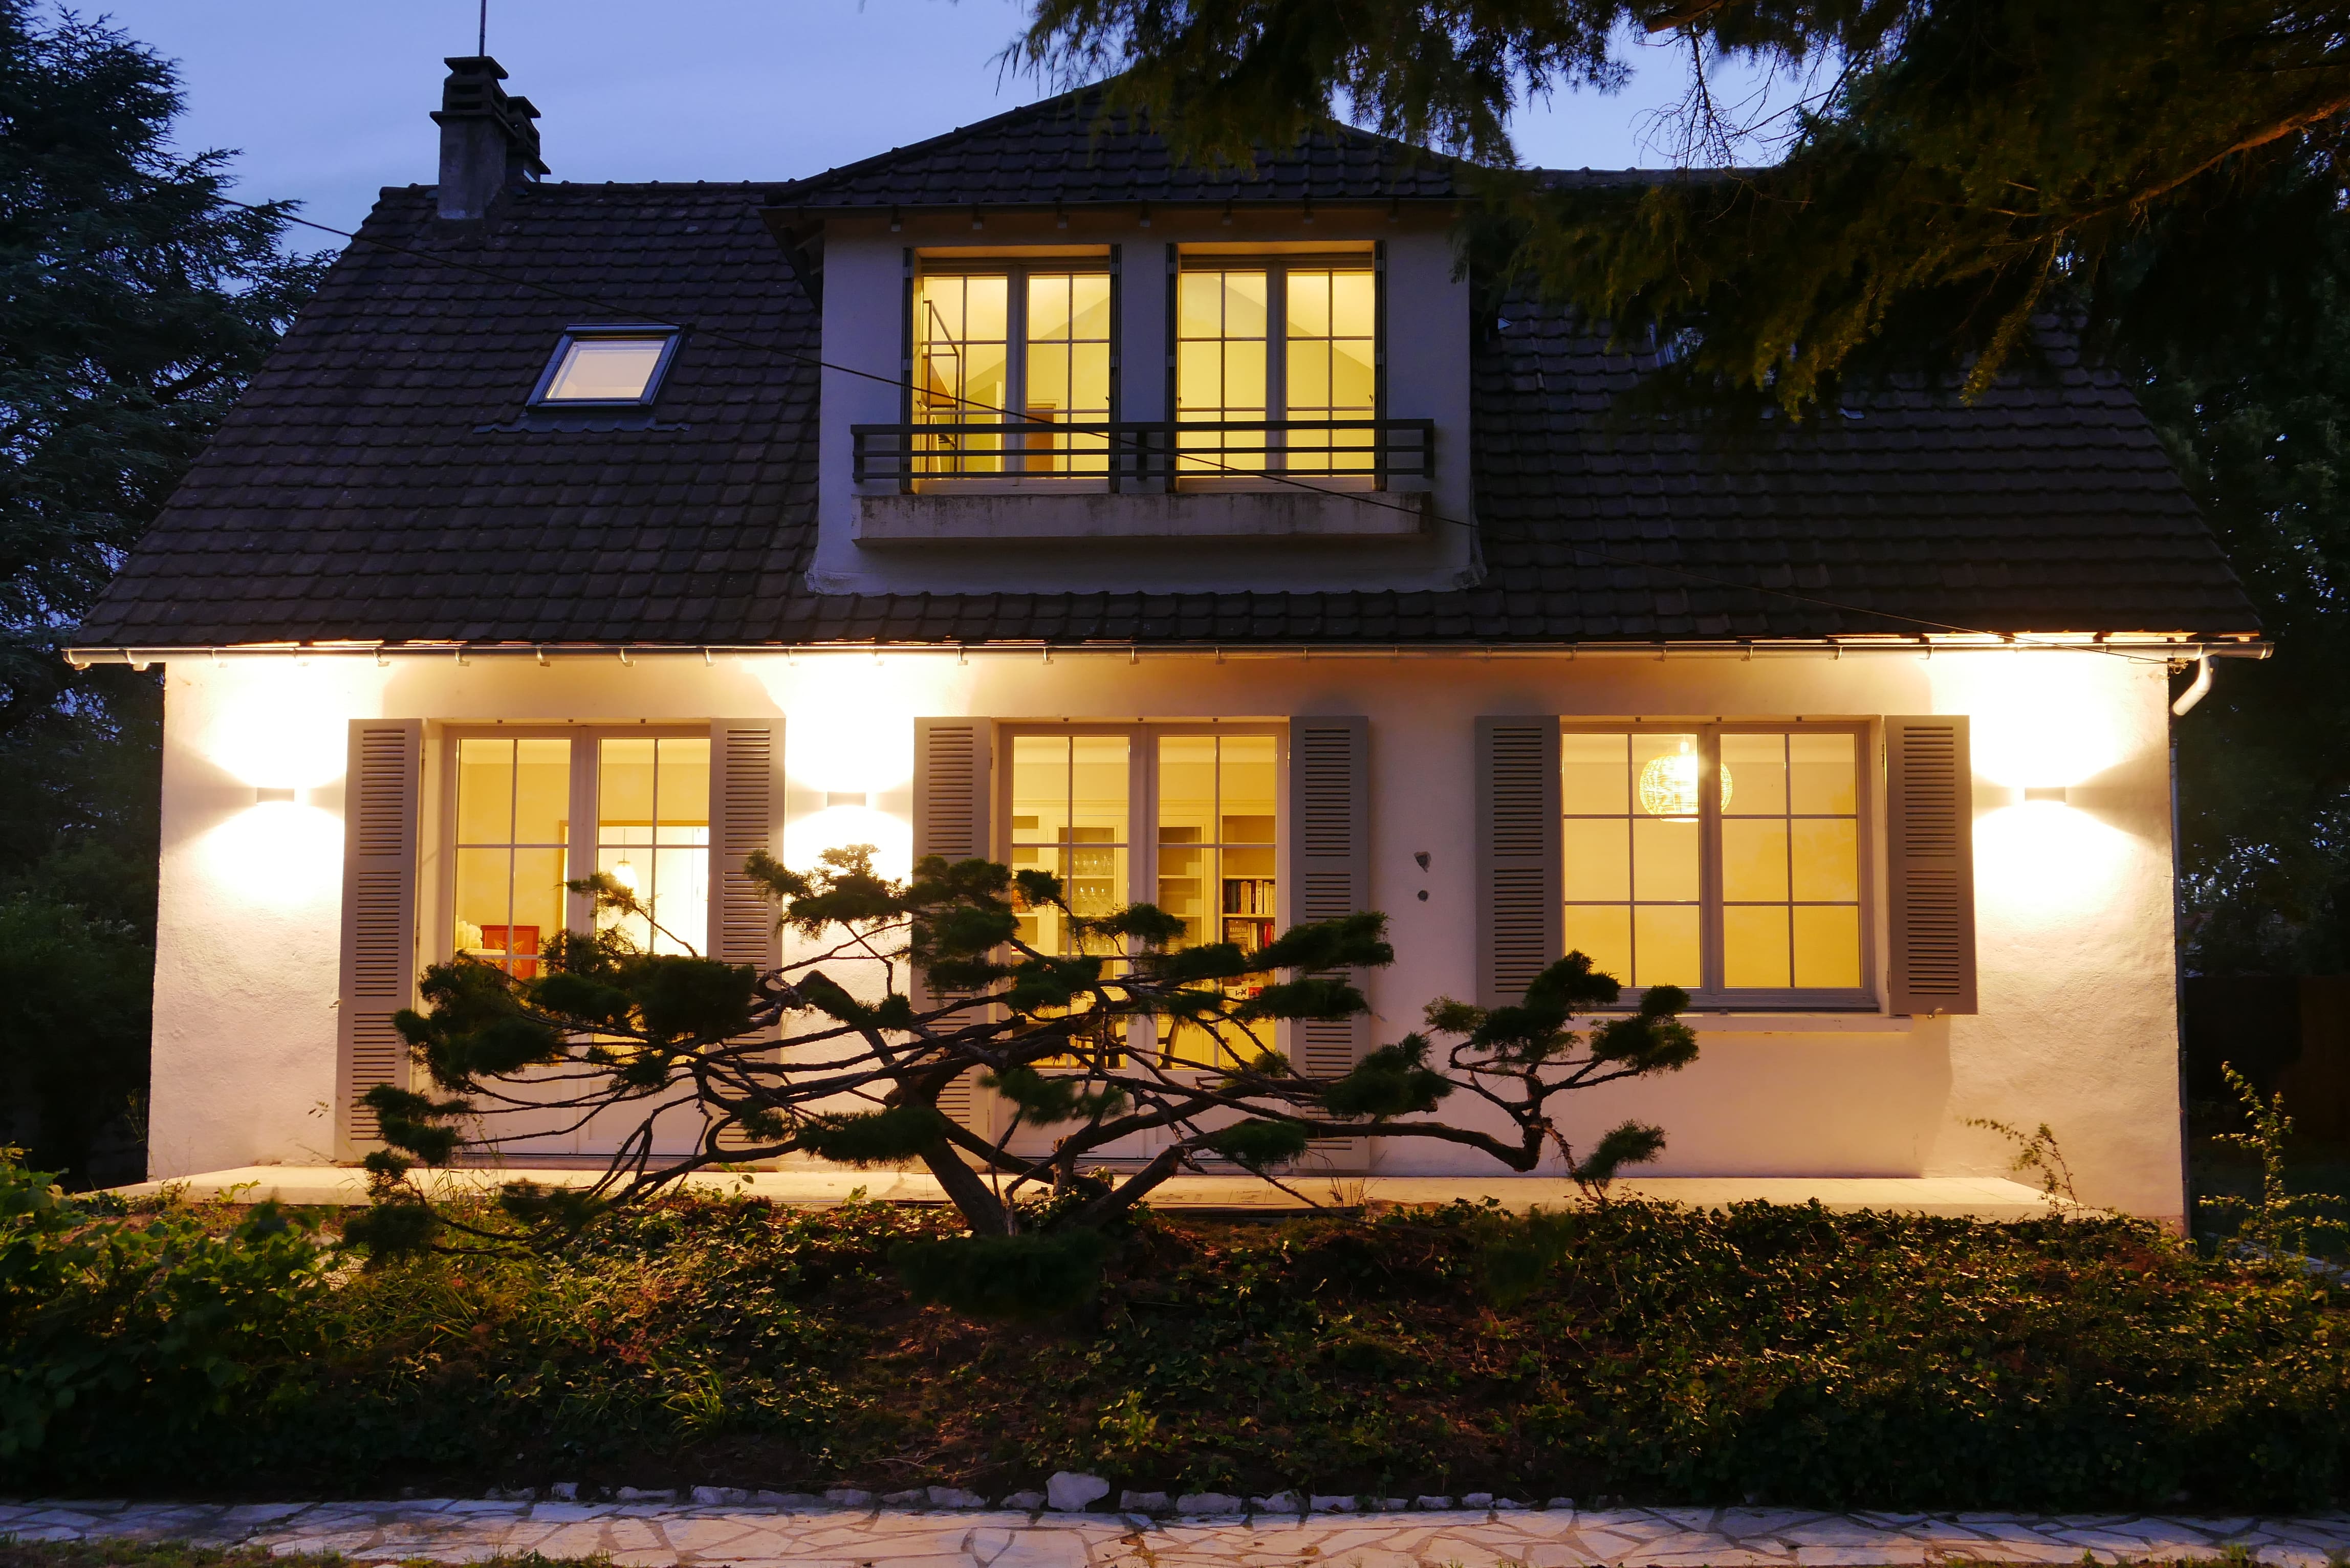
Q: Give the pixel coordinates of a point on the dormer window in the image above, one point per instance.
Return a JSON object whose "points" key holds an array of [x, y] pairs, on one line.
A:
{"points": [[1276, 365], [1012, 367], [606, 367]]}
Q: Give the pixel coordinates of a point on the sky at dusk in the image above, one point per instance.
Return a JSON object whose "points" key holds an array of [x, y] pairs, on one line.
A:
{"points": [[328, 99]]}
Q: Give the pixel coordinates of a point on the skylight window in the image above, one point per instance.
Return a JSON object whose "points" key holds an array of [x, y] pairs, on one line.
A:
{"points": [[607, 366]]}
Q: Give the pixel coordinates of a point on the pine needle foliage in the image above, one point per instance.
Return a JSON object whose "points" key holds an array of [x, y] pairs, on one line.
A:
{"points": [[905, 989]]}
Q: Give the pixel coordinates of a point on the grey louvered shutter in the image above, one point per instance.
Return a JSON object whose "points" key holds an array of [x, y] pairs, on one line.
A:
{"points": [[1520, 924], [1930, 865], [1330, 862], [379, 961], [953, 781], [746, 810]]}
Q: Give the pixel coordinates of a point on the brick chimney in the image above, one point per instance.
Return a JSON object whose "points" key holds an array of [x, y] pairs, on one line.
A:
{"points": [[488, 144]]}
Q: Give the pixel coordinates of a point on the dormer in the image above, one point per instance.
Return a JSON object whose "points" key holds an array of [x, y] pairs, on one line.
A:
{"points": [[1057, 360]]}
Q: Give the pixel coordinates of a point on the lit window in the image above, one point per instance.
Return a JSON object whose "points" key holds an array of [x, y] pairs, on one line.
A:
{"points": [[1021, 345], [514, 848], [1197, 825], [1754, 894], [618, 366], [513, 824], [1261, 339]]}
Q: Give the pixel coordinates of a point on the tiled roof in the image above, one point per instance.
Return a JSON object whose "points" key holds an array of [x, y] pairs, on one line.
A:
{"points": [[1066, 149], [357, 493]]}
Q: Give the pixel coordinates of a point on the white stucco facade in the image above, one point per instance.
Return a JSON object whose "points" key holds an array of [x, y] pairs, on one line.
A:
{"points": [[2077, 1025]]}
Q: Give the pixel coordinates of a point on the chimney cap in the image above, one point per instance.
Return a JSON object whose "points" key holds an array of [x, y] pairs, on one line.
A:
{"points": [[488, 144]]}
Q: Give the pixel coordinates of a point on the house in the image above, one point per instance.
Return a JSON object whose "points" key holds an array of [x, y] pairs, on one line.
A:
{"points": [[1198, 533]]}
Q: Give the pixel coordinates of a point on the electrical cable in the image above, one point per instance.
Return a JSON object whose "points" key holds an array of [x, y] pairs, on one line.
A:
{"points": [[1360, 498]]}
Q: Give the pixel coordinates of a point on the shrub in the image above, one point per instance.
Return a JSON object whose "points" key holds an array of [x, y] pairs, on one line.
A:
{"points": [[1783, 1353]]}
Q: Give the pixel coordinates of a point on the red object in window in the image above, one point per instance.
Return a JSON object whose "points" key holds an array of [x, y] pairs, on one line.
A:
{"points": [[521, 950]]}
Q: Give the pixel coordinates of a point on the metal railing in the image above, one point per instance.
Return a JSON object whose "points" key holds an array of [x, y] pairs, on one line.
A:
{"points": [[1138, 453]]}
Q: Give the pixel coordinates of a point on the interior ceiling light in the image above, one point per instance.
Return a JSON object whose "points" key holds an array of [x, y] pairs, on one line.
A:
{"points": [[1668, 784]]}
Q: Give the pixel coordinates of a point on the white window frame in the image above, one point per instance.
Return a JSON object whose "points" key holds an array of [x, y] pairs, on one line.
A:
{"points": [[1710, 994], [1014, 266], [579, 856], [1276, 265], [1142, 807]]}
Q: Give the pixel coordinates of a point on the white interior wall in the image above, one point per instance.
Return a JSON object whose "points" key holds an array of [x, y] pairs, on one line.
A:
{"points": [[2078, 1027]]}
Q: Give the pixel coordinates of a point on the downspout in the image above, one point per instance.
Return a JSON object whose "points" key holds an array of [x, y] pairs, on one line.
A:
{"points": [[2178, 710]]}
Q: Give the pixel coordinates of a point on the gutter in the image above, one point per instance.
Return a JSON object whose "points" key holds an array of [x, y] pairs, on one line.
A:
{"points": [[2179, 649]]}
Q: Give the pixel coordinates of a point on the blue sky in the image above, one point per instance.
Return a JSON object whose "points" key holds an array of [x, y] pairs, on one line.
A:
{"points": [[328, 99]]}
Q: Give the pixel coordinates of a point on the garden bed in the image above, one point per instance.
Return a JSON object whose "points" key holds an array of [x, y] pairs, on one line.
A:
{"points": [[1634, 1352]]}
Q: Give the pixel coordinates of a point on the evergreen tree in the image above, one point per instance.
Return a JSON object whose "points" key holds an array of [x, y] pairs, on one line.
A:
{"points": [[135, 300], [1949, 162]]}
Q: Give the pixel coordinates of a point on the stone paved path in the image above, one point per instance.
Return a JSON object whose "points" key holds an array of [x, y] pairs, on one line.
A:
{"points": [[644, 1535]]}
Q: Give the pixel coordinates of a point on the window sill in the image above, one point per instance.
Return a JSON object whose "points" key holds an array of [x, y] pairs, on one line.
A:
{"points": [[1287, 513], [1736, 1023]]}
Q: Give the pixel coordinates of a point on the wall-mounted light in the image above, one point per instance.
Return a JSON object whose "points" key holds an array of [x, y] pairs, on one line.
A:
{"points": [[263, 795], [2058, 793], [833, 797]]}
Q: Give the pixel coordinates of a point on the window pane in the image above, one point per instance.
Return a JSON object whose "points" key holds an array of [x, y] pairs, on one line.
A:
{"points": [[1040, 788], [543, 791], [485, 781], [1354, 303], [1201, 310], [1245, 379], [606, 369], [1187, 789], [1603, 933], [1098, 768], [1309, 378], [1309, 305], [986, 307], [1048, 306], [1827, 858], [1664, 945], [538, 896], [1598, 860], [1827, 945], [624, 792], [1200, 379], [684, 797], [1664, 858], [1754, 775], [1593, 774], [1244, 297], [1755, 858], [1823, 773], [1250, 785], [1352, 383], [1089, 307], [1754, 945]]}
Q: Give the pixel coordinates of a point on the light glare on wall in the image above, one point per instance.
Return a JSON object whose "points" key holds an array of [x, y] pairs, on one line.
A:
{"points": [[282, 728], [851, 727], [837, 826], [2042, 721], [277, 855]]}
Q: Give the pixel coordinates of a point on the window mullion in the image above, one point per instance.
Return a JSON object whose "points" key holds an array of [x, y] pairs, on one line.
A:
{"points": [[1015, 345], [1709, 892], [580, 855]]}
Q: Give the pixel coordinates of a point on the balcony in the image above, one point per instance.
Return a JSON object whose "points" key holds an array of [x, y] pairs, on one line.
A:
{"points": [[1106, 481], [1143, 455]]}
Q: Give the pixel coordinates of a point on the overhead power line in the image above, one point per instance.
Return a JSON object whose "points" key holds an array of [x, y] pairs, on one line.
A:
{"points": [[704, 330]]}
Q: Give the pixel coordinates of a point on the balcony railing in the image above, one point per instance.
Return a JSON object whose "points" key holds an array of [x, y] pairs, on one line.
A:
{"points": [[1136, 455]]}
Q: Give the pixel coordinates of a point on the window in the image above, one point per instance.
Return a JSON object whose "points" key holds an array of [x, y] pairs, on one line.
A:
{"points": [[1190, 813], [1727, 860], [516, 800], [1020, 343], [1297, 341], [607, 366], [513, 821]]}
